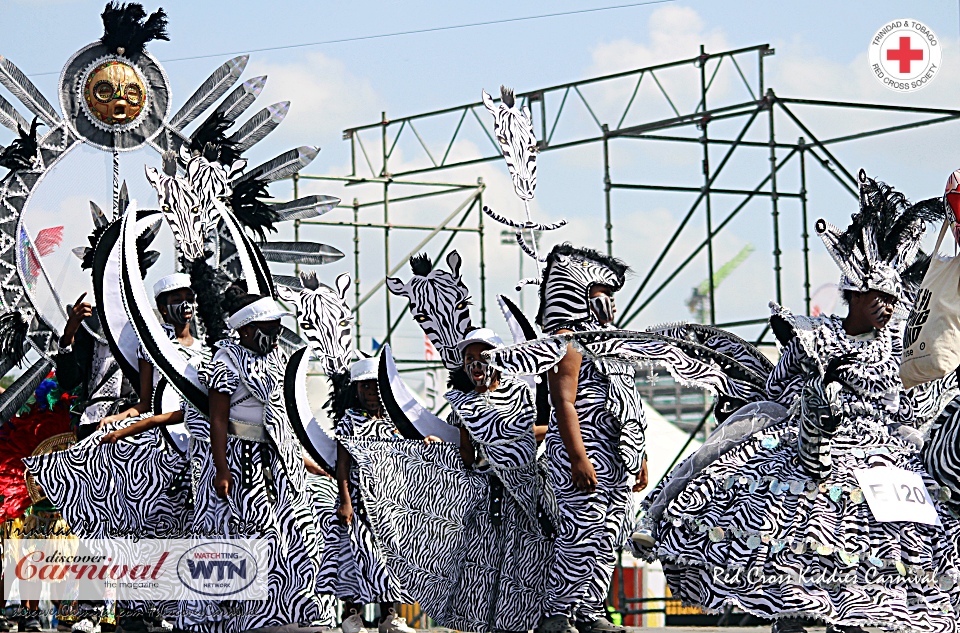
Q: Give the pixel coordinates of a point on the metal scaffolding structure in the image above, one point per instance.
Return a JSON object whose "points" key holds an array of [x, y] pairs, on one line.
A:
{"points": [[754, 108]]}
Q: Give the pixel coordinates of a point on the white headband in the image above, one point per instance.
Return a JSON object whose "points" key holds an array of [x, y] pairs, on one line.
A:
{"points": [[265, 309], [176, 281]]}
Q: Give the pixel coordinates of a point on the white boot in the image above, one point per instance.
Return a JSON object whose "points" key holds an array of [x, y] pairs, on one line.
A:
{"points": [[353, 624], [394, 624]]}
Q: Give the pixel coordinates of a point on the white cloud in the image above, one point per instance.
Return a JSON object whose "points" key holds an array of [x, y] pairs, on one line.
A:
{"points": [[325, 98]]}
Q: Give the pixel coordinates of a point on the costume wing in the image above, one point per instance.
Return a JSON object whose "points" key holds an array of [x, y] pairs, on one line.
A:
{"points": [[689, 363], [412, 419], [317, 440]]}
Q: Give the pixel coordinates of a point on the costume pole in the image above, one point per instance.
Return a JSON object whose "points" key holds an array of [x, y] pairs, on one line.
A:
{"points": [[533, 237], [116, 178]]}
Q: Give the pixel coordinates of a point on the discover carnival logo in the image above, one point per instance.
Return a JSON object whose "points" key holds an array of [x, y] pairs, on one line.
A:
{"points": [[143, 569], [905, 55]]}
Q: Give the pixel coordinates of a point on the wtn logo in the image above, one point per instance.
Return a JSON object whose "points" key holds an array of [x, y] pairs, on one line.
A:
{"points": [[223, 568]]}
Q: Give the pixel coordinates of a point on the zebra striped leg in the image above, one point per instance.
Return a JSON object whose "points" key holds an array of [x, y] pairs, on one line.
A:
{"points": [[591, 607], [581, 538]]}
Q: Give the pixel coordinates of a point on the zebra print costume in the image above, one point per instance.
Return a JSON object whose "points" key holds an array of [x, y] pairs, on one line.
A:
{"points": [[751, 524], [439, 303], [136, 487], [940, 453], [362, 574], [591, 525], [181, 206], [476, 552], [269, 499]]}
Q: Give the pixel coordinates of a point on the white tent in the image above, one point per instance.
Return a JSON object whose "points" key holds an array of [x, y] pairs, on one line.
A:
{"points": [[664, 441]]}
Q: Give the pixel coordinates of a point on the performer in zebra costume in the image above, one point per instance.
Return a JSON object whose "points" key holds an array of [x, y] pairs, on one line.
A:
{"points": [[249, 477], [149, 493], [176, 303], [486, 536], [509, 544], [595, 443], [777, 525], [362, 573]]}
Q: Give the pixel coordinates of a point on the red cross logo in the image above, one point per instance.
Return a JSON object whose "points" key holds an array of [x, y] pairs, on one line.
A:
{"points": [[905, 55]]}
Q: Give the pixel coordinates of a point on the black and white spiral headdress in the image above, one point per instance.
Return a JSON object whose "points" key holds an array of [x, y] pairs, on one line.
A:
{"points": [[880, 250]]}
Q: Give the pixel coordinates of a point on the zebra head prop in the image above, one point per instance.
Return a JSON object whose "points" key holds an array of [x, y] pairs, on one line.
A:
{"points": [[513, 129], [182, 209], [324, 319], [439, 302], [567, 279], [208, 177]]}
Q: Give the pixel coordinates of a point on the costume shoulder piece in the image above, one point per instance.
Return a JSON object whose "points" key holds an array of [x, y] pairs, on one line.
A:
{"points": [[689, 362]]}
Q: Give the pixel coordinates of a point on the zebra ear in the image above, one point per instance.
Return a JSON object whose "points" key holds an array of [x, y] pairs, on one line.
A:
{"points": [[488, 102], [396, 286], [453, 262], [185, 154], [287, 294], [526, 114], [237, 167], [154, 177], [343, 284]]}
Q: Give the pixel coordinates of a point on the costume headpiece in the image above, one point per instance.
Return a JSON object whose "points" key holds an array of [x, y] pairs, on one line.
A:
{"points": [[176, 281], [265, 309], [513, 128], [439, 303], [880, 250], [364, 369], [567, 279], [480, 335]]}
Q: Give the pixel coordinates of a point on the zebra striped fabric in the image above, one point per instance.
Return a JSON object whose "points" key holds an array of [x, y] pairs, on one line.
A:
{"points": [[753, 529]]}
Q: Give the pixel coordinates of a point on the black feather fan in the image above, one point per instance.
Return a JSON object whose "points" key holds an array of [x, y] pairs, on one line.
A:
{"points": [[22, 152], [251, 211], [124, 27], [13, 336], [209, 283]]}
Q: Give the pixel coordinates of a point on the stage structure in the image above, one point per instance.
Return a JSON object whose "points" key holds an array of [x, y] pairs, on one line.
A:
{"points": [[733, 128]]}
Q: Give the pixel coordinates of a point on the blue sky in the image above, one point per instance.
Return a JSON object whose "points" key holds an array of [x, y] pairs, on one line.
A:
{"points": [[821, 53]]}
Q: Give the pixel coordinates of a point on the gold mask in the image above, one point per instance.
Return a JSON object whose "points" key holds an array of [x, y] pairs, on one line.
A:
{"points": [[115, 93]]}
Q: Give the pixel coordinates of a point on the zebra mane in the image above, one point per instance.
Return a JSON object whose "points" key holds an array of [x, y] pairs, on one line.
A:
{"points": [[506, 95], [421, 265]]}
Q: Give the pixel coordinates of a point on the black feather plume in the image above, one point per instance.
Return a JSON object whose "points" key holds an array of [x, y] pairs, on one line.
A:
{"points": [[250, 210], [22, 152], [13, 336], [342, 395], [125, 31], [209, 283], [211, 139], [888, 213], [421, 265]]}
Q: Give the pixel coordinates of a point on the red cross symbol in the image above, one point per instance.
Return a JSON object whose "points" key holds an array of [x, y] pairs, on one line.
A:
{"points": [[905, 54]]}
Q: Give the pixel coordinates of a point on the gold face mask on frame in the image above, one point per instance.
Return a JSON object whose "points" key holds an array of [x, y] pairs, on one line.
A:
{"points": [[114, 93]]}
